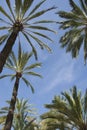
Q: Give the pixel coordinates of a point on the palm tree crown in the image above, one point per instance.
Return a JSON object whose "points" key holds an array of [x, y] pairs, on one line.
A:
{"points": [[68, 111], [18, 64], [21, 20], [76, 23], [24, 115]]}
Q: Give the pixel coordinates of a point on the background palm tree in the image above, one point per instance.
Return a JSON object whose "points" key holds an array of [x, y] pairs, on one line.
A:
{"points": [[19, 66], [20, 19], [75, 22], [68, 111], [24, 115]]}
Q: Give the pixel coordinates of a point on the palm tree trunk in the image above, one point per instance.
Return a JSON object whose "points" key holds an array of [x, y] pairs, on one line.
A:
{"points": [[9, 119], [7, 49]]}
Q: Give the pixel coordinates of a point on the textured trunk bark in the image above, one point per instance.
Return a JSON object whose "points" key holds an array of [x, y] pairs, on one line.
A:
{"points": [[7, 49], [9, 119]]}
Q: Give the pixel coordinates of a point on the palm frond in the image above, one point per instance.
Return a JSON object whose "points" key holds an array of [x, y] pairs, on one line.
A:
{"points": [[76, 8], [42, 35], [5, 13], [4, 28], [6, 75], [28, 84], [38, 14], [18, 4], [19, 52], [44, 21], [9, 6], [85, 102], [13, 58], [41, 28], [3, 38], [30, 43], [40, 43], [33, 66], [4, 21], [36, 7], [33, 74], [84, 7], [25, 6]]}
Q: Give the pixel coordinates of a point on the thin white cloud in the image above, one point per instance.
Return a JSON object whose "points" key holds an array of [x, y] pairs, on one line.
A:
{"points": [[62, 71], [63, 75]]}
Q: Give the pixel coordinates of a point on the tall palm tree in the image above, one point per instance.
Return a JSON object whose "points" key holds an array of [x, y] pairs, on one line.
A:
{"points": [[75, 24], [18, 65], [23, 115], [22, 19], [70, 109]]}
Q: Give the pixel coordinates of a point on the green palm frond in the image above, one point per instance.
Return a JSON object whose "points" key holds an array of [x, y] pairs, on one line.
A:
{"points": [[36, 7], [30, 43], [6, 75], [33, 74], [33, 66], [28, 84], [38, 14], [69, 108], [10, 8], [25, 6], [5, 13], [3, 38], [75, 22], [85, 102]]}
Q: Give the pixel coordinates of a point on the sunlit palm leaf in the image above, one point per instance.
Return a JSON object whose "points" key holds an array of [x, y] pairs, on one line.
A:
{"points": [[33, 66], [18, 4], [26, 5]]}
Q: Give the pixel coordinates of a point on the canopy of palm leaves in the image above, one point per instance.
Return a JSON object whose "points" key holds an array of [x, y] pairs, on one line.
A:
{"points": [[75, 22], [23, 116], [25, 20], [68, 111], [19, 65]]}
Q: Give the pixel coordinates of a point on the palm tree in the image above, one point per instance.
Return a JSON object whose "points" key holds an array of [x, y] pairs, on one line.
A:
{"points": [[23, 115], [21, 19], [75, 24], [18, 65], [70, 109]]}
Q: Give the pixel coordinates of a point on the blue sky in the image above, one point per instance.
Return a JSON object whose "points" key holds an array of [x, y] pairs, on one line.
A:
{"points": [[60, 72]]}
